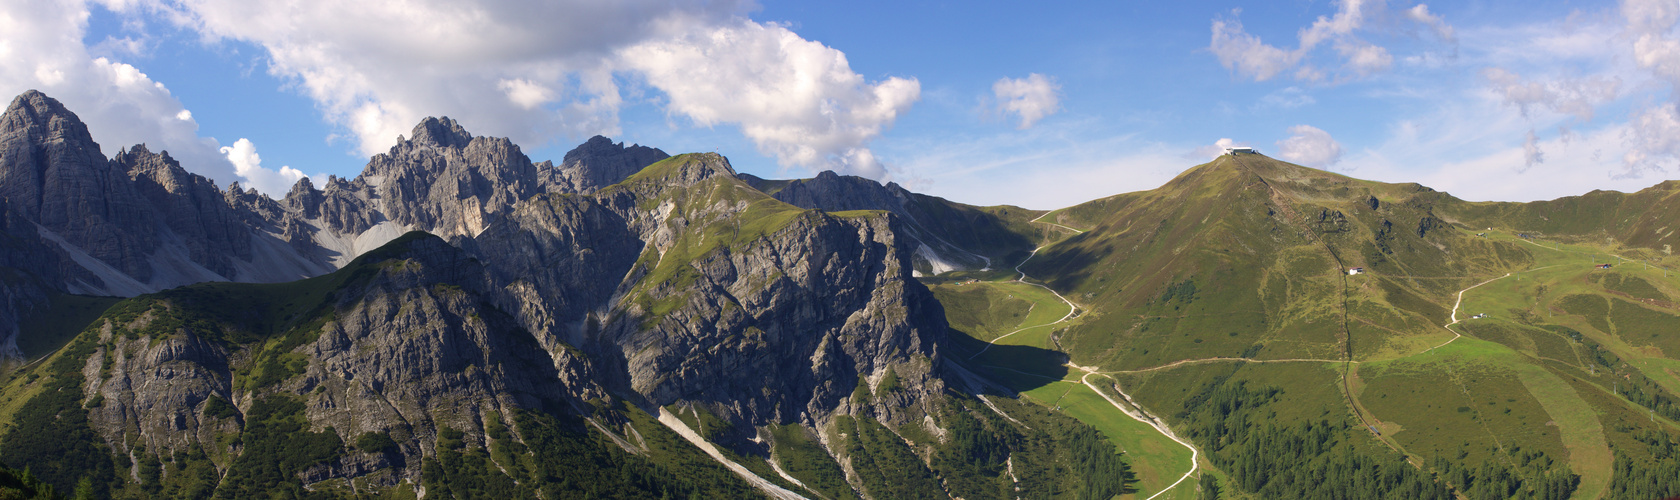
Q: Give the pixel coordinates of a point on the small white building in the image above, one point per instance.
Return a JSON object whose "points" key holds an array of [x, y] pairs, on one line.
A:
{"points": [[1355, 270], [1241, 150]]}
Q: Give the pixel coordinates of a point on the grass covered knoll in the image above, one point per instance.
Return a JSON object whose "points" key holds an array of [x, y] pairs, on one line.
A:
{"points": [[1247, 257]]}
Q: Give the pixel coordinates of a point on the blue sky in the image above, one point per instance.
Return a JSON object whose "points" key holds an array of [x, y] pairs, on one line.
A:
{"points": [[1042, 106]]}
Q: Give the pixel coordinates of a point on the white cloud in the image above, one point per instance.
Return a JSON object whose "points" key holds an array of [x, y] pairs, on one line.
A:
{"points": [[1651, 23], [1420, 14], [798, 100], [1245, 54], [1248, 56], [1031, 98], [377, 67], [1307, 145], [1364, 57], [1531, 152], [1570, 168], [1653, 139], [1203, 153], [42, 48], [527, 94], [1654, 135], [274, 183], [1577, 97]]}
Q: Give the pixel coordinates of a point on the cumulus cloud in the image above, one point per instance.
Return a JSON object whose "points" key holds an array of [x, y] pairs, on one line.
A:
{"points": [[1248, 56], [1364, 57], [1031, 98], [376, 67], [1572, 96], [1651, 23], [1653, 136], [1245, 54], [248, 164], [796, 99], [42, 48], [1307, 145], [527, 94]]}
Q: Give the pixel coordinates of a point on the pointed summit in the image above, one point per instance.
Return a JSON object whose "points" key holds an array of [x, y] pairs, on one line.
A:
{"points": [[598, 163], [442, 132]]}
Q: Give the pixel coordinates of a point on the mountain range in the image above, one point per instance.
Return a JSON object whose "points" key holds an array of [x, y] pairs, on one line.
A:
{"points": [[461, 321]]}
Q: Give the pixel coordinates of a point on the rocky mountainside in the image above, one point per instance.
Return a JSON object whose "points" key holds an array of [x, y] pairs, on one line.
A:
{"points": [[675, 332], [595, 164], [946, 235], [138, 222]]}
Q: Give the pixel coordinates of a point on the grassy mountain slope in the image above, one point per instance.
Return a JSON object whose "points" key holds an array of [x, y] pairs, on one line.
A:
{"points": [[1230, 283], [1643, 223]]}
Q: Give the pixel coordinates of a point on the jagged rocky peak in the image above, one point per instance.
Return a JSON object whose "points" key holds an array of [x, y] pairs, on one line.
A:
{"points": [[598, 163], [443, 180], [442, 132], [34, 112], [41, 143]]}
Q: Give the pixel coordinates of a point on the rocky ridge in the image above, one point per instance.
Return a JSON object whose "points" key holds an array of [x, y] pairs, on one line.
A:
{"points": [[945, 235], [522, 345], [139, 222]]}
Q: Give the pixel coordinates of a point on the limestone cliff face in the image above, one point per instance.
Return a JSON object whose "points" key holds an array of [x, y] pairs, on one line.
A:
{"points": [[53, 174], [139, 222], [405, 345], [595, 164], [199, 214], [770, 327]]}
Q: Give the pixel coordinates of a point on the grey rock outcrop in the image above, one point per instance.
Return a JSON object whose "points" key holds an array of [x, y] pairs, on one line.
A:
{"points": [[135, 223], [53, 174], [411, 346], [597, 163], [772, 328]]}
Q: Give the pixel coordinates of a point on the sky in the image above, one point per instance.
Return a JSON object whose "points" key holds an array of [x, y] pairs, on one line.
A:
{"points": [[1043, 106]]}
